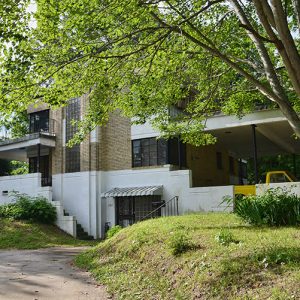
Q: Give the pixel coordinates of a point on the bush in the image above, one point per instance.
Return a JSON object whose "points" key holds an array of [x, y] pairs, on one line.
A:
{"points": [[276, 207], [179, 243], [112, 231], [36, 209]]}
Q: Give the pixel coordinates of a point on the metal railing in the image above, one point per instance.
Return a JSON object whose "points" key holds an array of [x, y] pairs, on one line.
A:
{"points": [[47, 181], [168, 208], [48, 128]]}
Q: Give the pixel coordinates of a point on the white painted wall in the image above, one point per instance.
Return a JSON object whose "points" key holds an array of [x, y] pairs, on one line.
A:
{"points": [[217, 122], [29, 184], [80, 193], [175, 183], [65, 223], [293, 187], [73, 191], [257, 117], [143, 131]]}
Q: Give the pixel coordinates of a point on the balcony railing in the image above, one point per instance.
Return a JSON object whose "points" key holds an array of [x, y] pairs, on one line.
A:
{"points": [[47, 181], [47, 127], [170, 208]]}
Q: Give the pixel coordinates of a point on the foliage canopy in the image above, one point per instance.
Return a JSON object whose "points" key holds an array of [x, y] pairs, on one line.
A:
{"points": [[145, 57]]}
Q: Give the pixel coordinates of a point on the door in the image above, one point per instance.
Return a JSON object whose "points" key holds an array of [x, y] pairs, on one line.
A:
{"points": [[134, 209], [44, 169], [125, 211]]}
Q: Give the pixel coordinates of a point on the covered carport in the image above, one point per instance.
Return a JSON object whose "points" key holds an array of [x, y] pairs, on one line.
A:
{"points": [[259, 134]]}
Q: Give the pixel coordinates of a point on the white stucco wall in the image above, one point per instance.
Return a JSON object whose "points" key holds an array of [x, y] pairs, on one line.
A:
{"points": [[293, 187], [73, 191], [175, 183], [143, 131], [80, 193], [29, 184]]}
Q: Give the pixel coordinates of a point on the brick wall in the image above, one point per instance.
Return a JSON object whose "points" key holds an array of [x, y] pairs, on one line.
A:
{"points": [[115, 144], [110, 148], [57, 153]]}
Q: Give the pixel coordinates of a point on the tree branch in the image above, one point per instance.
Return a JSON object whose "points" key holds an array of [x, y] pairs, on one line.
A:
{"points": [[287, 39], [260, 86], [260, 8]]}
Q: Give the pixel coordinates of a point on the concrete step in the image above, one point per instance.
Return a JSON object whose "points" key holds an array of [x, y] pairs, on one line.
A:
{"points": [[81, 234]]}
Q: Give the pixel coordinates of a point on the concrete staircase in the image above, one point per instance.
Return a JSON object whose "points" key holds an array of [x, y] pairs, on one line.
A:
{"points": [[65, 222], [81, 234]]}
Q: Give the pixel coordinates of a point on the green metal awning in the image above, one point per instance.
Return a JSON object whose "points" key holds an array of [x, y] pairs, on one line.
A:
{"points": [[134, 191]]}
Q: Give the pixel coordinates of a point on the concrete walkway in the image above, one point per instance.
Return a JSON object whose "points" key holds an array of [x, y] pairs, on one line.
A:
{"points": [[45, 274]]}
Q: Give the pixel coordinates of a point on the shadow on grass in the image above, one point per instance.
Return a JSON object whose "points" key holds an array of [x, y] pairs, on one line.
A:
{"points": [[255, 270]]}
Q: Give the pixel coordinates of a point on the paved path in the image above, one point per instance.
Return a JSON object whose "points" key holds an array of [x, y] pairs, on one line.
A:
{"points": [[45, 274]]}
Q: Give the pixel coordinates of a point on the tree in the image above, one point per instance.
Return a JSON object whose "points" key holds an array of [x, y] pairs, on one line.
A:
{"points": [[144, 57], [16, 124]]}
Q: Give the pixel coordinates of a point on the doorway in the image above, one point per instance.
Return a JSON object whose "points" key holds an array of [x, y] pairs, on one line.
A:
{"points": [[130, 210]]}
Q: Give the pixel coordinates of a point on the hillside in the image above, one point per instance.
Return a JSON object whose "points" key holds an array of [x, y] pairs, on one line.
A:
{"points": [[240, 262], [26, 235]]}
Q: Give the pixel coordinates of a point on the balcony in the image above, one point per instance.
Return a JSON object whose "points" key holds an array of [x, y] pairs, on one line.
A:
{"points": [[17, 148]]}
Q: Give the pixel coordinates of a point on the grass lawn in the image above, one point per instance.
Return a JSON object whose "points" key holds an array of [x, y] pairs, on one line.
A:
{"points": [[259, 263], [26, 235]]}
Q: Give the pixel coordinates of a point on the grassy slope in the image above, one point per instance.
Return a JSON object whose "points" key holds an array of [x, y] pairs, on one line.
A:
{"points": [[25, 235], [137, 262]]}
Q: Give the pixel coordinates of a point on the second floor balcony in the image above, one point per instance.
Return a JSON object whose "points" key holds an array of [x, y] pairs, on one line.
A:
{"points": [[41, 132]]}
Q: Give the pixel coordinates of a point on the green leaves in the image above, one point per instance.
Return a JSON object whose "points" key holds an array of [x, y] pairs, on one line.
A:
{"points": [[141, 57]]}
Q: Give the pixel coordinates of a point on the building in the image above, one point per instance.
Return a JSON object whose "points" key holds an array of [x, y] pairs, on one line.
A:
{"points": [[121, 174]]}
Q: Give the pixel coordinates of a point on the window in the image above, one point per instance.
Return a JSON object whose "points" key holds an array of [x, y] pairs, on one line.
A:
{"points": [[149, 152], [72, 154], [219, 161], [39, 121], [73, 159], [72, 114]]}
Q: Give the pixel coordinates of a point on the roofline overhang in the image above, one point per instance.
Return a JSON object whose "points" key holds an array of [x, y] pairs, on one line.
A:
{"points": [[229, 121], [34, 139]]}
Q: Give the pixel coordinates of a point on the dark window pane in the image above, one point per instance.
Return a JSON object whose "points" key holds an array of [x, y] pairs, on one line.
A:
{"points": [[173, 151], [136, 143], [162, 152], [145, 143], [39, 121], [72, 154], [153, 141]]}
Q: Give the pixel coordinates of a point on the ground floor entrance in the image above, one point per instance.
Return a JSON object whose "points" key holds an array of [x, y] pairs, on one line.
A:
{"points": [[41, 164], [132, 209]]}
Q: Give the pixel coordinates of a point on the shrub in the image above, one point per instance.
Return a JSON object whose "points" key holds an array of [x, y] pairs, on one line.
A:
{"points": [[179, 243], [225, 237], [276, 207], [112, 231], [36, 209]]}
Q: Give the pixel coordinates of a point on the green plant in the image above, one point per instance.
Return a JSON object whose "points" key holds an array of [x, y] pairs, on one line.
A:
{"points": [[275, 207], [36, 209], [180, 242], [19, 167], [268, 258], [225, 237], [112, 231]]}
